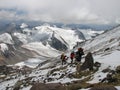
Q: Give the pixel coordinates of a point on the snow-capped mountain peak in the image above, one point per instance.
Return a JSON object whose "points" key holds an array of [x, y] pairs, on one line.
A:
{"points": [[46, 33]]}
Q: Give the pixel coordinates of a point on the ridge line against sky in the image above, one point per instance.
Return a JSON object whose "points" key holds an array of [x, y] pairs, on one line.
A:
{"points": [[63, 11]]}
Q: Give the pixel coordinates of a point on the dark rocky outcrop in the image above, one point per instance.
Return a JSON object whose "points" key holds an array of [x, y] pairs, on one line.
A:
{"points": [[57, 44], [109, 79], [118, 69], [50, 86], [80, 35], [89, 62], [17, 42], [97, 64]]}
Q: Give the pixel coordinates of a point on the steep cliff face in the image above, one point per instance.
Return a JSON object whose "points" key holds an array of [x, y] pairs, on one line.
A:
{"points": [[57, 44]]}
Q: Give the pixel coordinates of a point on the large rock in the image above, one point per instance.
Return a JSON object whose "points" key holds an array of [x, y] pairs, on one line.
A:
{"points": [[118, 69], [50, 86], [89, 62]]}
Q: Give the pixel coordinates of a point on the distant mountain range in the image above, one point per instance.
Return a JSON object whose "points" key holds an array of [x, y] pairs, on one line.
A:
{"points": [[45, 40], [5, 25]]}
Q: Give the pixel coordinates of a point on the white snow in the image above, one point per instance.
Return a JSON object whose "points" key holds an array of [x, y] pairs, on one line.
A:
{"points": [[3, 47], [68, 35], [21, 37], [85, 89], [39, 37], [118, 87], [89, 33], [41, 49], [6, 38], [3, 85], [108, 59], [27, 88], [103, 41], [112, 59], [32, 63], [63, 80], [23, 25], [45, 32]]}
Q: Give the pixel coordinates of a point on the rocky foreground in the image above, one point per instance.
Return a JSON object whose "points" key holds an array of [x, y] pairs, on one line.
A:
{"points": [[52, 76]]}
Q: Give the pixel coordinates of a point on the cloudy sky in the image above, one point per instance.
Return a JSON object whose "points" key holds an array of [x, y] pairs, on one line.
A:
{"points": [[64, 11]]}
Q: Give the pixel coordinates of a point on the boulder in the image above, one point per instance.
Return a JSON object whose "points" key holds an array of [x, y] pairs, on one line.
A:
{"points": [[89, 62], [118, 69]]}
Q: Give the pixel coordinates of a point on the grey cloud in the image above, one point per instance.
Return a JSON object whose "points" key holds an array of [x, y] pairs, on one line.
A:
{"points": [[118, 21], [65, 11]]}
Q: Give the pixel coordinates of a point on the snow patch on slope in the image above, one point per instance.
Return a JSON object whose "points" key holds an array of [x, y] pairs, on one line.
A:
{"points": [[21, 37], [6, 38], [41, 49], [32, 63], [3, 47], [90, 33], [23, 25], [112, 59], [103, 41]]}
